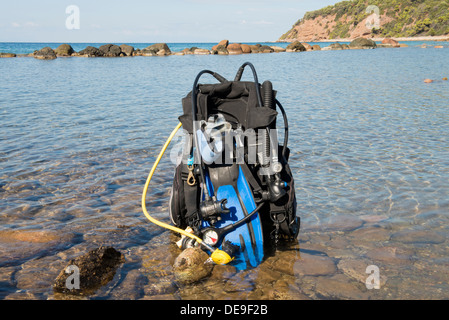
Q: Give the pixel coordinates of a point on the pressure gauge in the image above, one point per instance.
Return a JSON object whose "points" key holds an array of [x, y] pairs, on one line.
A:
{"points": [[210, 237]]}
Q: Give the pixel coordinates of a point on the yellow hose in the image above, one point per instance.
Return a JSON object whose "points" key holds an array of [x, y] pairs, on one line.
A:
{"points": [[218, 256]]}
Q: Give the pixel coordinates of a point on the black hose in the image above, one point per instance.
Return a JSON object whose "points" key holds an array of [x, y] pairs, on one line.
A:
{"points": [[238, 77], [233, 226], [284, 115]]}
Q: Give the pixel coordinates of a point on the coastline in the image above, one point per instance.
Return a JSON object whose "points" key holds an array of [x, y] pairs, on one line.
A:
{"points": [[224, 47]]}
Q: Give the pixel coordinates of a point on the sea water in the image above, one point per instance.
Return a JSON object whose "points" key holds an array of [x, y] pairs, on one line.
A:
{"points": [[369, 145]]}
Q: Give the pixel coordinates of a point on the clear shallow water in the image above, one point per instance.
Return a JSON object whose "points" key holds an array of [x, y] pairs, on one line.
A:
{"points": [[369, 146]]}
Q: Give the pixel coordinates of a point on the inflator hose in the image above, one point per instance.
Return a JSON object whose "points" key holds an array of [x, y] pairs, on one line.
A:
{"points": [[218, 256]]}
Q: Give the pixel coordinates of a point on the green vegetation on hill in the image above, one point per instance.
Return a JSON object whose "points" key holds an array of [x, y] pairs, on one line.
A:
{"points": [[410, 17]]}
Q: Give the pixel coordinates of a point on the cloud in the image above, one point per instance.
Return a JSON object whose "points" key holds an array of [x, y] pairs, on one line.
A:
{"points": [[31, 24], [28, 24], [260, 22]]}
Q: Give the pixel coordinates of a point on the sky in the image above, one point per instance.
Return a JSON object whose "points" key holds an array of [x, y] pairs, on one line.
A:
{"points": [[140, 21]]}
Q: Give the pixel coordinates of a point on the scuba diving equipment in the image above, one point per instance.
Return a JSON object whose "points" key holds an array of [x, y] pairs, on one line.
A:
{"points": [[218, 256], [229, 194]]}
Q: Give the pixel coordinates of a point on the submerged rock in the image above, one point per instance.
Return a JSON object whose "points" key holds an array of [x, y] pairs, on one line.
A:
{"points": [[96, 269], [314, 265], [418, 236], [17, 246], [46, 53], [191, 266]]}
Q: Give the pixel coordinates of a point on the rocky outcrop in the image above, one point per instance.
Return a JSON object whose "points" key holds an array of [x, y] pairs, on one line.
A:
{"points": [[295, 46], [316, 47], [234, 48], [64, 50], [362, 43], [158, 49], [223, 43], [277, 49], [307, 46], [335, 46], [201, 51], [91, 52], [390, 42], [110, 50], [96, 268], [221, 49], [245, 48], [7, 55], [127, 50], [265, 49], [46, 53], [255, 48]]}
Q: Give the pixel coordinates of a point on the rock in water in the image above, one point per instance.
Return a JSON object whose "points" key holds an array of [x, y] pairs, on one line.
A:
{"points": [[96, 269], [91, 52], [390, 42], [128, 50], [46, 53], [295, 46], [234, 48], [64, 50], [191, 266], [7, 55], [156, 49], [110, 50], [362, 43]]}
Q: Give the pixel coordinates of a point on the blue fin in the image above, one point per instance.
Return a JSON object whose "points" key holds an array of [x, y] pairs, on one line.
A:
{"points": [[248, 237]]}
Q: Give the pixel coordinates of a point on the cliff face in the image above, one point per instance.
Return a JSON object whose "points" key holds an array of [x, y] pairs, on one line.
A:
{"points": [[363, 18], [325, 28]]}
